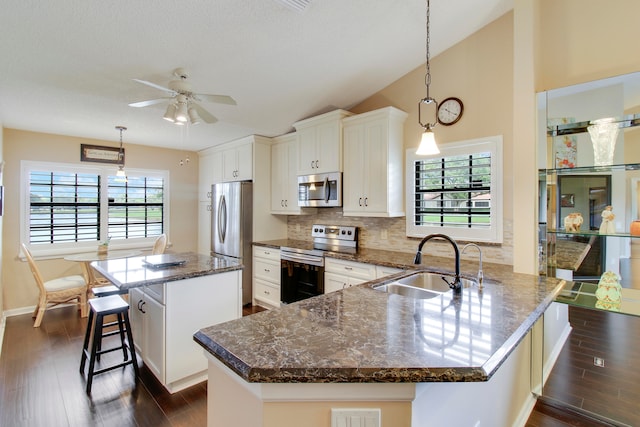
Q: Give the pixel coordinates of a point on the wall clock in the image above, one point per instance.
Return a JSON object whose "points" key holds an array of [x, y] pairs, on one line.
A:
{"points": [[450, 111]]}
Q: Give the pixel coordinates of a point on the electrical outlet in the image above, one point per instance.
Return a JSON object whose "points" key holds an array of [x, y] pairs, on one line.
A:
{"points": [[384, 234], [598, 362]]}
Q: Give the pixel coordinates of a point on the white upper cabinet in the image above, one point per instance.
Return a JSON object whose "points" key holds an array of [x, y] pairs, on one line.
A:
{"points": [[320, 143], [284, 180], [237, 161], [373, 164]]}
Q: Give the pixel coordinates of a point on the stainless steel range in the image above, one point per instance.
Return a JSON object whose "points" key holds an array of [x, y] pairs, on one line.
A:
{"points": [[302, 269]]}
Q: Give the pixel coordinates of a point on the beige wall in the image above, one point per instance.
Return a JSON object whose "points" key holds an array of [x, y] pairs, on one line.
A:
{"points": [[1, 233], [20, 290]]}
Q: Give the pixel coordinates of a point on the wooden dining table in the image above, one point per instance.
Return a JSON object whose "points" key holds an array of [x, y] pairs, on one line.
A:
{"points": [[86, 258]]}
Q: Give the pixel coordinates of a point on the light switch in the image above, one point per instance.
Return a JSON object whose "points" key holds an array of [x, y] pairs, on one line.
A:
{"points": [[355, 417]]}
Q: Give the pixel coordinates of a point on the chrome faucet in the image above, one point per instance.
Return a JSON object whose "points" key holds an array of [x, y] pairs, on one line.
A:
{"points": [[480, 274], [456, 285]]}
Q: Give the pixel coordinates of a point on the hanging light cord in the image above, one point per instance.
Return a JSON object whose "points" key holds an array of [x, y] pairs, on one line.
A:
{"points": [[120, 154], [427, 77]]}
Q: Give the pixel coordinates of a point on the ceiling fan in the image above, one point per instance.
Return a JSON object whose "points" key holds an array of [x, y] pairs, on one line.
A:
{"points": [[182, 105]]}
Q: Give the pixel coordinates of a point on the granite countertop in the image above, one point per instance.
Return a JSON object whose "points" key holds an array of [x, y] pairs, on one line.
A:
{"points": [[131, 272], [363, 335]]}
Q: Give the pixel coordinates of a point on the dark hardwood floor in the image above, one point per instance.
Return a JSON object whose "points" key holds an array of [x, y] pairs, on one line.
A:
{"points": [[40, 384]]}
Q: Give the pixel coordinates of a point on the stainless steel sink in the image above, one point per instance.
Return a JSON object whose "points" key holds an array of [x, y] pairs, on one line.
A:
{"points": [[407, 291], [422, 285]]}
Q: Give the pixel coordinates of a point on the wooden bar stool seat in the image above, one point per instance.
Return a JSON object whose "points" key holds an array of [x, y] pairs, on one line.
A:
{"points": [[99, 308]]}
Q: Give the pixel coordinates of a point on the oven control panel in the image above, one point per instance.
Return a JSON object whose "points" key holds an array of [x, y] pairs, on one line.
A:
{"points": [[335, 232]]}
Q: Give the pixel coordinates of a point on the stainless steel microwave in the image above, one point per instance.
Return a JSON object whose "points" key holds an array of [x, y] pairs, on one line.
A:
{"points": [[320, 191]]}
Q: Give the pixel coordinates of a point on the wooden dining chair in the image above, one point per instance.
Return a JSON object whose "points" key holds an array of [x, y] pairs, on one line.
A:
{"points": [[56, 291], [159, 245]]}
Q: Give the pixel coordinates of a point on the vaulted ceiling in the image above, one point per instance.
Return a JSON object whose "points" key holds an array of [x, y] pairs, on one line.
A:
{"points": [[67, 67]]}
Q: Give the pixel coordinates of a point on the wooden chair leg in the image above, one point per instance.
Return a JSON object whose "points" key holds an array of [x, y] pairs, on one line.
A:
{"points": [[39, 317]]}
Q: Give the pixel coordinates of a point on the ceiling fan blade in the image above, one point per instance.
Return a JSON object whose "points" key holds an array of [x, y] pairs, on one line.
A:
{"points": [[148, 102], [220, 99], [153, 85], [204, 114]]}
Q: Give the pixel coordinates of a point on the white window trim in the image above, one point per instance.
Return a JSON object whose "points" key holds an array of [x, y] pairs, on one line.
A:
{"points": [[61, 249], [493, 234]]}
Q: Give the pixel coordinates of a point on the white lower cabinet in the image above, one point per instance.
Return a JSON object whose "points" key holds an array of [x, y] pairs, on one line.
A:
{"points": [[266, 277], [165, 317], [340, 274]]}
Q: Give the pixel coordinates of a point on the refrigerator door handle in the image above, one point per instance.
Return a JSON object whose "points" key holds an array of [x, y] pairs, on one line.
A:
{"points": [[222, 219]]}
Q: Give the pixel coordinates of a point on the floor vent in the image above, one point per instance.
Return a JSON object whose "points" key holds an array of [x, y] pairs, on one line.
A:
{"points": [[297, 5]]}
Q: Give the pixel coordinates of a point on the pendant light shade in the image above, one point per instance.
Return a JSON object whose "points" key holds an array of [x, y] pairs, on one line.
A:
{"points": [[428, 144]]}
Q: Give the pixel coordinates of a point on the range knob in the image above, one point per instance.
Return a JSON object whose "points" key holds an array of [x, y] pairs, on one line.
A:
{"points": [[343, 232], [349, 232]]}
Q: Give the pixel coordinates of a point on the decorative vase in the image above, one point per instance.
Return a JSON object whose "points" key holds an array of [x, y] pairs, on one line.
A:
{"points": [[604, 134], [634, 229]]}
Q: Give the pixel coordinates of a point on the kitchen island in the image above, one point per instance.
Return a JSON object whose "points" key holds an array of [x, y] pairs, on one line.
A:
{"points": [[360, 347], [170, 302]]}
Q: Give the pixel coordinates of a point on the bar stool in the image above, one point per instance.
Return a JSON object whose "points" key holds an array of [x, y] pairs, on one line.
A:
{"points": [[99, 308]]}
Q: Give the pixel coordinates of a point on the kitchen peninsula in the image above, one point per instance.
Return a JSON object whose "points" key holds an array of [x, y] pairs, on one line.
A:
{"points": [[448, 360], [170, 302]]}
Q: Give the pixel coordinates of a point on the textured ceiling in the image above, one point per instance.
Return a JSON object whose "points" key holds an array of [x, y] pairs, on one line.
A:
{"points": [[67, 67]]}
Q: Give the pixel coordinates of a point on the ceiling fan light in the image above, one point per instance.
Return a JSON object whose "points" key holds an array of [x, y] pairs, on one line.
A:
{"points": [[193, 116], [170, 114], [181, 114]]}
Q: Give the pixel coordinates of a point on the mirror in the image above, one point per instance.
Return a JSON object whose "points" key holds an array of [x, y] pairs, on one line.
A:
{"points": [[576, 193]]}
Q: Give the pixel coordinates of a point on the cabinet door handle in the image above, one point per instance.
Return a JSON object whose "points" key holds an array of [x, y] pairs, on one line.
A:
{"points": [[312, 167], [344, 286], [316, 164], [360, 201], [366, 201], [209, 208], [142, 305], [139, 302], [266, 270], [267, 292], [208, 194], [286, 203], [348, 268]]}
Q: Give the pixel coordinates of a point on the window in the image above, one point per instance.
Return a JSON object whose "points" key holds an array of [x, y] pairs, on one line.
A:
{"points": [[458, 193], [71, 207]]}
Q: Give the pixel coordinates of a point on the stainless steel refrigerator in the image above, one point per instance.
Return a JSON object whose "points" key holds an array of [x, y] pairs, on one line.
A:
{"points": [[231, 227]]}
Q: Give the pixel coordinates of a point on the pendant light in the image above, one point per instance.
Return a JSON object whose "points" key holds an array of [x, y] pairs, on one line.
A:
{"points": [[428, 144], [121, 176]]}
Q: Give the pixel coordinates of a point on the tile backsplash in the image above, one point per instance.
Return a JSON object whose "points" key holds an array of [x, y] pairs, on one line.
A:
{"points": [[390, 234]]}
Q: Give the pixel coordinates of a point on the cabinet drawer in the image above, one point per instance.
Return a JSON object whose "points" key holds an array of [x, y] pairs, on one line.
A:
{"points": [[267, 270], [266, 292], [352, 269], [268, 253]]}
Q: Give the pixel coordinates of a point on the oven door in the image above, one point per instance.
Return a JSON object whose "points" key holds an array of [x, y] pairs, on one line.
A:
{"points": [[300, 279]]}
